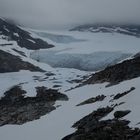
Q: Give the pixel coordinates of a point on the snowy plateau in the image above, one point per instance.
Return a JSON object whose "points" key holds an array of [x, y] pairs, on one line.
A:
{"points": [[65, 67]]}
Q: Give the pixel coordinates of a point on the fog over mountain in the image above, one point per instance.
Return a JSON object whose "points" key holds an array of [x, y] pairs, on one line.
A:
{"points": [[65, 13]]}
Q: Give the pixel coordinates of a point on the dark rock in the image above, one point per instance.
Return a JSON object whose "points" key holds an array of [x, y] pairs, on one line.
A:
{"points": [[50, 94], [15, 108], [119, 95], [137, 55], [91, 128], [7, 44], [93, 100], [137, 137], [49, 74], [56, 86], [19, 52], [13, 95], [93, 118], [120, 114], [11, 63]]}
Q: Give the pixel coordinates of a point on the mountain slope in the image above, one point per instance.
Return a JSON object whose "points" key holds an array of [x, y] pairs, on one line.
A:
{"points": [[22, 37], [133, 30], [126, 70], [11, 63], [117, 116], [49, 101]]}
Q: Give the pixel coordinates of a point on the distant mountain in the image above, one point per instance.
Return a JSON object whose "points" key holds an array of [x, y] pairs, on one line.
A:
{"points": [[133, 30], [12, 32]]}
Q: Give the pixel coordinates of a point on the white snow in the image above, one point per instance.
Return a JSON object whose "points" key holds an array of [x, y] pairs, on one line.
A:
{"points": [[31, 41], [16, 34], [8, 80], [6, 29], [57, 124]]}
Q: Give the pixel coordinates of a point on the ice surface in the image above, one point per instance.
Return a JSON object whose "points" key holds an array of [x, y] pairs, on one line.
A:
{"points": [[88, 62]]}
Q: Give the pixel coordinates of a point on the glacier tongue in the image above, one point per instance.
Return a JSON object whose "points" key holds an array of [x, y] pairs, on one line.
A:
{"points": [[88, 62]]}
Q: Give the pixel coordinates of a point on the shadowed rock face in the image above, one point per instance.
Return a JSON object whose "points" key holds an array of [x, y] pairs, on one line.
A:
{"points": [[11, 63], [15, 108], [23, 38], [126, 70], [120, 114]]}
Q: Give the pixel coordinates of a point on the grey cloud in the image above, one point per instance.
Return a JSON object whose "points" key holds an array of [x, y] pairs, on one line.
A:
{"points": [[63, 13]]}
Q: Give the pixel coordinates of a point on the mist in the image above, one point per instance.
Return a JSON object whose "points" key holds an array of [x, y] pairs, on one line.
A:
{"points": [[58, 14]]}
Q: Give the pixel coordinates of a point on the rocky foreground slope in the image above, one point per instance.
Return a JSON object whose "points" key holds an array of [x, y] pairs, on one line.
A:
{"points": [[126, 70], [93, 126]]}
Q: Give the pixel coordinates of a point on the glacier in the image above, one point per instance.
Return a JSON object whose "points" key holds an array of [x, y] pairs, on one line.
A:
{"points": [[87, 62]]}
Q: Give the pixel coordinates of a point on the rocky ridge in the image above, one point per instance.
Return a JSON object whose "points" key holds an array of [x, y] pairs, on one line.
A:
{"points": [[126, 70]]}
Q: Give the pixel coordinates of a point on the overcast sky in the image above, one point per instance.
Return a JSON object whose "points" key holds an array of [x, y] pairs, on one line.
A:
{"points": [[63, 13]]}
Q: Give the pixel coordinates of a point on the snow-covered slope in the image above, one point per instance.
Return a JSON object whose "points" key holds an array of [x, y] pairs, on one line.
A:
{"points": [[103, 48], [58, 123]]}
